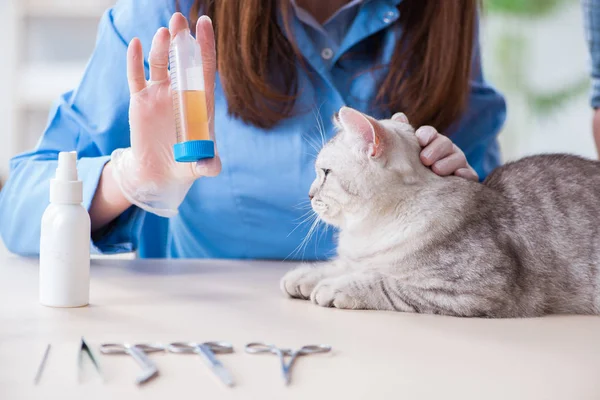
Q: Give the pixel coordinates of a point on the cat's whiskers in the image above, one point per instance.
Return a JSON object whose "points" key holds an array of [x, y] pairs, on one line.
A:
{"points": [[302, 246], [303, 205], [306, 217], [316, 146], [311, 143], [305, 208], [312, 218], [323, 233], [309, 235], [320, 125], [303, 217]]}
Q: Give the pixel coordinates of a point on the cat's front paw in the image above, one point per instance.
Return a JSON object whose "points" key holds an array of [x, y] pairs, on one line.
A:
{"points": [[300, 282], [334, 292]]}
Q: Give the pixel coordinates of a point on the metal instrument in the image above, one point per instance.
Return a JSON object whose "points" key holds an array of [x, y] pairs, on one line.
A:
{"points": [[40, 369], [207, 351], [138, 352], [84, 348], [258, 348]]}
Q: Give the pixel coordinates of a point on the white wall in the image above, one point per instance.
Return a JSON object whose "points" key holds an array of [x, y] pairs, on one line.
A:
{"points": [[49, 43], [7, 52]]}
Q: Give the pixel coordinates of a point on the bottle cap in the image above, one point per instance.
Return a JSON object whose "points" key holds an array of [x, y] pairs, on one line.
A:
{"points": [[67, 166], [194, 150], [65, 187]]}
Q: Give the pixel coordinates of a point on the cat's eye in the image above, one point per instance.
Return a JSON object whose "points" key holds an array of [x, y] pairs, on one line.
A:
{"points": [[326, 171]]}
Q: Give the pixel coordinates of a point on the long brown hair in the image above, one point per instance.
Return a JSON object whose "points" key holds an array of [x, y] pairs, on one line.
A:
{"points": [[427, 78]]}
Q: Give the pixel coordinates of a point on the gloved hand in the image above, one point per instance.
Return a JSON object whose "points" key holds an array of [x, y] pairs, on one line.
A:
{"points": [[147, 172]]}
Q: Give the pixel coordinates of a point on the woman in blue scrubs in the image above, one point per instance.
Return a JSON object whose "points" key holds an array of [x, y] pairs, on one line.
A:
{"points": [[283, 69]]}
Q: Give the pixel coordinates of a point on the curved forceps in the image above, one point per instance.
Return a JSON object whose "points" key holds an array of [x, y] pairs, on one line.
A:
{"points": [[258, 347], [207, 350], [138, 352]]}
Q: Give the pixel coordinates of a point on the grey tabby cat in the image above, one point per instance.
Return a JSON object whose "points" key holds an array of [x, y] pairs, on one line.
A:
{"points": [[524, 243]]}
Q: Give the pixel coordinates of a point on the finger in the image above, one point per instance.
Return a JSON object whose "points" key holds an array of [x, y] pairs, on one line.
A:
{"points": [[449, 165], [441, 147], [135, 67], [206, 39], [159, 56], [209, 167], [400, 117], [467, 173], [426, 134], [178, 23]]}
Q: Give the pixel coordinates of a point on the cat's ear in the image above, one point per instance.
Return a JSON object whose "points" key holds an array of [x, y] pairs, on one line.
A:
{"points": [[368, 130]]}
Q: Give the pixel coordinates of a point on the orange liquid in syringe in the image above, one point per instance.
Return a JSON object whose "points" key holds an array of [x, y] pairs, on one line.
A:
{"points": [[193, 118]]}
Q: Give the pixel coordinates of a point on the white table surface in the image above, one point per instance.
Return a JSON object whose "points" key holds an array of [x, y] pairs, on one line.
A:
{"points": [[377, 355]]}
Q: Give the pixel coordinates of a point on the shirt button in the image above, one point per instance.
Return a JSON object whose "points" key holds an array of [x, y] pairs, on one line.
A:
{"points": [[326, 53], [389, 17]]}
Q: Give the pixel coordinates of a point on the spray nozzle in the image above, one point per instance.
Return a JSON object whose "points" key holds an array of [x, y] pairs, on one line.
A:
{"points": [[67, 166]]}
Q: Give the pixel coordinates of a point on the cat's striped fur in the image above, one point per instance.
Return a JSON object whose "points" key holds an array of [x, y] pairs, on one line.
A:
{"points": [[523, 243]]}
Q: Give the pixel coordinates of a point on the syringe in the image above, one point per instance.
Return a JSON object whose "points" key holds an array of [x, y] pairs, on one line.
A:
{"points": [[189, 100]]}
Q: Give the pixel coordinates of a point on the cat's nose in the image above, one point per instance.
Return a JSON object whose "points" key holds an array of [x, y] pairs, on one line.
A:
{"points": [[310, 196]]}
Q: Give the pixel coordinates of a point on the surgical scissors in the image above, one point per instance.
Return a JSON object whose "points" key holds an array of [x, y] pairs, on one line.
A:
{"points": [[258, 347], [138, 352], [207, 350]]}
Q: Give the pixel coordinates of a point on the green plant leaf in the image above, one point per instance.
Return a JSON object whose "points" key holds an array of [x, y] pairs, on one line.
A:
{"points": [[525, 8], [547, 103]]}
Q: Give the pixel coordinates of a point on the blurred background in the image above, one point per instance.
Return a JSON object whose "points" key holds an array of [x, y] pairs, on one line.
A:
{"points": [[46, 46], [534, 51]]}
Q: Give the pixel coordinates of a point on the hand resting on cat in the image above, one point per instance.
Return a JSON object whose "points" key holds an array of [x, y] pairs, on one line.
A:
{"points": [[523, 243]]}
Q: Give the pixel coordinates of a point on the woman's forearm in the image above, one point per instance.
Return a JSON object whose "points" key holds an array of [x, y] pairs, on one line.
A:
{"points": [[108, 202]]}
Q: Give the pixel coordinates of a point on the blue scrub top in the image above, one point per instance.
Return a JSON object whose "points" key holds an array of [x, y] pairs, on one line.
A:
{"points": [[253, 208]]}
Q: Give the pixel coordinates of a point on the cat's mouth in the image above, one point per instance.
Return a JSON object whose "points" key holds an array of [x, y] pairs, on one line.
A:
{"points": [[319, 206], [327, 212]]}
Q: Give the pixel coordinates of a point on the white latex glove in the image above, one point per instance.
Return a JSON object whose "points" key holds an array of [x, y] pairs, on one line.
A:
{"points": [[147, 172]]}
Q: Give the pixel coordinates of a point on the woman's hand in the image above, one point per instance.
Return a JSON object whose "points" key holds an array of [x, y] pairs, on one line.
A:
{"points": [[596, 129], [147, 172], [443, 156], [439, 153]]}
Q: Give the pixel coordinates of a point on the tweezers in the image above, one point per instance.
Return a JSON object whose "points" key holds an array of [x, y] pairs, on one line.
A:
{"points": [[85, 348], [40, 369]]}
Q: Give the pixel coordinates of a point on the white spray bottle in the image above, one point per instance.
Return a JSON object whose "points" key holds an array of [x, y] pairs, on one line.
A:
{"points": [[64, 279]]}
